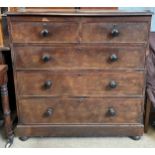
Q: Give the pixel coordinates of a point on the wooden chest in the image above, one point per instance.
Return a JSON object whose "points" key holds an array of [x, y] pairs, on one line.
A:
{"points": [[79, 74]]}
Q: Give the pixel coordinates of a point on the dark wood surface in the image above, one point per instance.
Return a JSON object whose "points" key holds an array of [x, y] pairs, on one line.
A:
{"points": [[6, 104], [3, 71], [80, 83], [83, 13], [147, 114], [79, 57], [4, 48], [62, 70], [79, 130], [78, 30], [81, 110]]}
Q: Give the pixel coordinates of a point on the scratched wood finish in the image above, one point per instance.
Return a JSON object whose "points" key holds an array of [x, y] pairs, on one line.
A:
{"points": [[80, 130], [80, 110], [79, 46], [100, 32], [61, 32], [79, 57], [78, 83], [69, 30]]}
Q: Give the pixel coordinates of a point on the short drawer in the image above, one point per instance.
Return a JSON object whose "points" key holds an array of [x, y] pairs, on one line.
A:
{"points": [[80, 110], [80, 83], [44, 32], [114, 32], [79, 57]]}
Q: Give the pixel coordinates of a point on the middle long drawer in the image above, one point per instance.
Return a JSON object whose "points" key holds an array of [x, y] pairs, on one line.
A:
{"points": [[79, 57], [80, 83]]}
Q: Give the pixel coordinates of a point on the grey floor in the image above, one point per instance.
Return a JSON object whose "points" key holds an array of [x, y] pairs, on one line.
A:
{"points": [[147, 141]]}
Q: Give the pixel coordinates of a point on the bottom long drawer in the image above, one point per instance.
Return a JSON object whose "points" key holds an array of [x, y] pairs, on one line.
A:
{"points": [[80, 110]]}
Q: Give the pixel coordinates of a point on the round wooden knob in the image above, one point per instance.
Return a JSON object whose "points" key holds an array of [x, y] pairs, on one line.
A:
{"points": [[112, 84], [48, 112], [47, 84], [46, 57], [44, 32], [115, 32], [111, 112], [113, 58]]}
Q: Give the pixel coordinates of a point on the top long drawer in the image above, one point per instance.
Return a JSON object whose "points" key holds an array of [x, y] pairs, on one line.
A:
{"points": [[78, 30]]}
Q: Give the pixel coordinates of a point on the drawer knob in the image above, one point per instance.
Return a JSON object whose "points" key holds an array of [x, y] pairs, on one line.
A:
{"points": [[48, 112], [47, 84], [115, 31], [46, 57], [111, 112], [44, 32], [113, 58], [112, 84]]}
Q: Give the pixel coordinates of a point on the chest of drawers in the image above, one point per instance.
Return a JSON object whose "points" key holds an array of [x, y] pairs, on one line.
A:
{"points": [[79, 74]]}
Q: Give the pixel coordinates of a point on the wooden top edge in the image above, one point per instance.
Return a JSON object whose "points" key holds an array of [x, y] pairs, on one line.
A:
{"points": [[4, 48], [82, 13]]}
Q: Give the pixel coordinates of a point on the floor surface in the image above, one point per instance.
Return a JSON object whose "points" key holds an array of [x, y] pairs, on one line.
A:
{"points": [[147, 141]]}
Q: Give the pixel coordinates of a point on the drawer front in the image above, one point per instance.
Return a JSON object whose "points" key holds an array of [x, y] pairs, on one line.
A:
{"points": [[41, 32], [79, 57], [80, 110], [80, 83], [78, 29], [119, 32]]}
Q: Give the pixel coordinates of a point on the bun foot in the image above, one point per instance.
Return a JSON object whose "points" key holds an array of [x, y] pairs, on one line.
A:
{"points": [[23, 138], [135, 137]]}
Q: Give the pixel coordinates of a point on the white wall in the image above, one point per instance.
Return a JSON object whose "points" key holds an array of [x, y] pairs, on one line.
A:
{"points": [[142, 9]]}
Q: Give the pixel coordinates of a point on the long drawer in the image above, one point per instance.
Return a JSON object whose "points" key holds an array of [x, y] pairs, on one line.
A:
{"points": [[80, 110], [80, 83], [85, 30], [79, 57]]}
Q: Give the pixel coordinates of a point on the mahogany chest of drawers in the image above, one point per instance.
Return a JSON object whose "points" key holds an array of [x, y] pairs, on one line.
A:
{"points": [[79, 74]]}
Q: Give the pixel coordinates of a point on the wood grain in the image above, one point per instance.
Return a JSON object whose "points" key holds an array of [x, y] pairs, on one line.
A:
{"points": [[79, 57], [79, 130], [75, 30], [72, 87], [80, 110], [80, 83]]}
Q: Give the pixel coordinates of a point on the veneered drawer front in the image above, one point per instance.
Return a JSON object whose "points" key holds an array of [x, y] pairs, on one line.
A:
{"points": [[114, 32], [80, 83], [79, 57], [80, 110], [44, 32], [78, 29]]}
